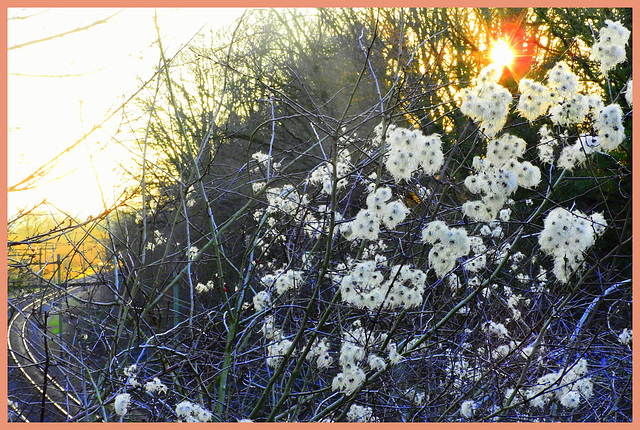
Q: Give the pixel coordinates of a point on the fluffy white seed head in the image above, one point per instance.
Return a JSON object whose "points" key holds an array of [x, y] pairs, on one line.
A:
{"points": [[625, 337], [609, 127], [562, 80], [609, 50], [488, 102], [535, 99], [360, 414], [121, 403], [572, 156], [468, 408], [261, 300], [155, 387], [393, 214], [570, 399], [566, 237]]}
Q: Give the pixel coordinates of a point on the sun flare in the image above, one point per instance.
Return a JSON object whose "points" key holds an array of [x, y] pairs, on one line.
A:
{"points": [[501, 53]]}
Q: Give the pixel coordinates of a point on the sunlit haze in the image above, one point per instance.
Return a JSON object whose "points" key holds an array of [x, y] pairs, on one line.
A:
{"points": [[61, 88]]}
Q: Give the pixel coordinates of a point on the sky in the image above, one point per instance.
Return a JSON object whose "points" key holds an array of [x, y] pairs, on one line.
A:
{"points": [[60, 88]]}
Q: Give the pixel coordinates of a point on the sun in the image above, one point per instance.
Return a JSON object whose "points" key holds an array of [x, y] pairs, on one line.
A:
{"points": [[501, 54]]}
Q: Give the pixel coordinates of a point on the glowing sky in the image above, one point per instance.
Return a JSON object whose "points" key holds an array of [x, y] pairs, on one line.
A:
{"points": [[60, 88]]}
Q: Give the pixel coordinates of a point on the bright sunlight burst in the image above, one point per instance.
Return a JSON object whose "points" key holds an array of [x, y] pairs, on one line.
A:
{"points": [[502, 54]]}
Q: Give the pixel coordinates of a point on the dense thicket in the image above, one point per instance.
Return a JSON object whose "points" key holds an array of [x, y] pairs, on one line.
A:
{"points": [[338, 221]]}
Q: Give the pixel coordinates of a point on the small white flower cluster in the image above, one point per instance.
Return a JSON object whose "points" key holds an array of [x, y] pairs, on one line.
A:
{"points": [[373, 251], [204, 288], [366, 224], [323, 173], [192, 413], [574, 155], [546, 145], [514, 299], [284, 204], [392, 213], [569, 388], [320, 350], [572, 107], [353, 354], [376, 362], [452, 281], [269, 329], [155, 386], [406, 287], [499, 175], [360, 414], [562, 80], [566, 237], [625, 337], [519, 397], [121, 403], [609, 127], [501, 332], [540, 282], [503, 150], [276, 352], [352, 375], [535, 99], [610, 134], [497, 329], [488, 102], [278, 345], [365, 287], [527, 352], [257, 186], [261, 300], [409, 150], [394, 356], [131, 372], [192, 253], [628, 93], [158, 239], [505, 215], [468, 408], [283, 280], [283, 200], [317, 223], [288, 280], [263, 161], [260, 157], [501, 351], [609, 50], [479, 251], [449, 244]]}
